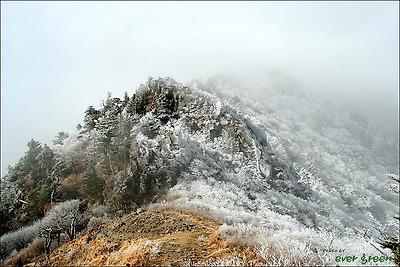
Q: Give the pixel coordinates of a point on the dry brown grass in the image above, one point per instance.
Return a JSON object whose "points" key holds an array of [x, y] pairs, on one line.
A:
{"points": [[194, 218], [72, 186], [103, 253], [133, 252], [98, 252], [28, 254], [231, 252], [128, 241]]}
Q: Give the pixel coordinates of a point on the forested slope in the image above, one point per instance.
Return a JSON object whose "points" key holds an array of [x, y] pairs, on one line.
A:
{"points": [[274, 165]]}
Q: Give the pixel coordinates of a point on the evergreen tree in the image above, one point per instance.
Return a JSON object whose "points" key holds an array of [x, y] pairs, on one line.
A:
{"points": [[93, 185], [31, 160], [130, 107], [46, 158], [60, 137], [33, 210], [91, 117], [126, 100]]}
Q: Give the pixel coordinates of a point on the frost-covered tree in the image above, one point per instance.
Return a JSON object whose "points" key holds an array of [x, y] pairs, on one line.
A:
{"points": [[66, 218], [125, 100], [130, 106], [392, 242], [9, 203], [243, 157], [31, 159], [45, 158], [59, 170], [60, 137], [91, 117]]}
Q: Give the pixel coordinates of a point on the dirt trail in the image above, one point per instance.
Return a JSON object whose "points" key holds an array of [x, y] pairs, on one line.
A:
{"points": [[150, 237]]}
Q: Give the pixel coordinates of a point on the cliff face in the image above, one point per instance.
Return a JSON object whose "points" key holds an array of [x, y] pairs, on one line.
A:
{"points": [[187, 133]]}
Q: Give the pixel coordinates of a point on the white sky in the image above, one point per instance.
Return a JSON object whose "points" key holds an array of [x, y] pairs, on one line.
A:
{"points": [[58, 58]]}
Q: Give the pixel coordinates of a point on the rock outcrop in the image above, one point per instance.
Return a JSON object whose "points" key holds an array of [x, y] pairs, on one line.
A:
{"points": [[184, 133]]}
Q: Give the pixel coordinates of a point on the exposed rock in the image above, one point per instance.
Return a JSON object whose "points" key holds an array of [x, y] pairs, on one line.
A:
{"points": [[179, 127]]}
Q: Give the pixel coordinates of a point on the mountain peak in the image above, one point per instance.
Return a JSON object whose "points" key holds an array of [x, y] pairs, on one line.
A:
{"points": [[244, 161]]}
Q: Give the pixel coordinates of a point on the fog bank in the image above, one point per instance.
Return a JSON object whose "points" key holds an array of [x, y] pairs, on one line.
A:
{"points": [[58, 58]]}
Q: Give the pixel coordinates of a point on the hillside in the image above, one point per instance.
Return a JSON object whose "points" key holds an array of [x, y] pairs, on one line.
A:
{"points": [[285, 174], [152, 238]]}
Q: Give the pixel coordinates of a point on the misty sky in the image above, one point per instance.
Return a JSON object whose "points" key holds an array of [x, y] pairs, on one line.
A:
{"points": [[58, 58]]}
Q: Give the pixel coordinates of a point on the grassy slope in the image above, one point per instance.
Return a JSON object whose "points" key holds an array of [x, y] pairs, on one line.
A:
{"points": [[149, 237]]}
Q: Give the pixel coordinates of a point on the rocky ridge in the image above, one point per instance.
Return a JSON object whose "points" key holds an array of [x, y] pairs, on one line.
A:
{"points": [[187, 133]]}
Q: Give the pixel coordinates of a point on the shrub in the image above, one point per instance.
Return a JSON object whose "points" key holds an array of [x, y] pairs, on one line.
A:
{"points": [[67, 217], [28, 254]]}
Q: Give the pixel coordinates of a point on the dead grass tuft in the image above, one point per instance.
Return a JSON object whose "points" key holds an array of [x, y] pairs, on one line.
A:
{"points": [[28, 254]]}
